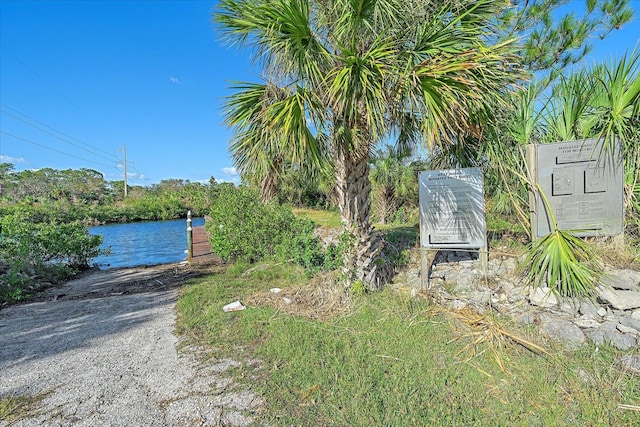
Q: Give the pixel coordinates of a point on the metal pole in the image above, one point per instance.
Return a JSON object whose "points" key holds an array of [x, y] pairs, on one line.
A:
{"points": [[124, 149], [189, 237]]}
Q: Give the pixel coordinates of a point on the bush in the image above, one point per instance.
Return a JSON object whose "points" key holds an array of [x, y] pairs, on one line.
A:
{"points": [[41, 251], [243, 228]]}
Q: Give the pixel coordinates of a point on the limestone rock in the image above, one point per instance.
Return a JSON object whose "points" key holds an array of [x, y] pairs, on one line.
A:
{"points": [[631, 323], [589, 309], [587, 322], [596, 335], [621, 341], [543, 297], [622, 279], [627, 329], [564, 331], [609, 326], [631, 363], [622, 300]]}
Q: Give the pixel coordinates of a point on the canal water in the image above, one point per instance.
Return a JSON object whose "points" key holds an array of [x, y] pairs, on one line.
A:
{"points": [[143, 243]]}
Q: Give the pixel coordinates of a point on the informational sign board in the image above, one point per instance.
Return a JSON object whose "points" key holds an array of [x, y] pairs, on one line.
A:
{"points": [[452, 209], [583, 185]]}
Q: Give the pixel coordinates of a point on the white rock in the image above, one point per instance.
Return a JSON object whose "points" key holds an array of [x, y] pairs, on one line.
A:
{"points": [[233, 306], [636, 315], [588, 308], [601, 312], [275, 290], [287, 300], [621, 341], [631, 322], [458, 304], [543, 297], [622, 279], [627, 329], [569, 334], [622, 300], [586, 322]]}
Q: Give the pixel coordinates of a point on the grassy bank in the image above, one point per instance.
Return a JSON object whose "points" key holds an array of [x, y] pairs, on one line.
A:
{"points": [[388, 359]]}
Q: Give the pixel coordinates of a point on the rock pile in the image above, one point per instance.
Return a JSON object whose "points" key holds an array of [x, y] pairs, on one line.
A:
{"points": [[458, 280]]}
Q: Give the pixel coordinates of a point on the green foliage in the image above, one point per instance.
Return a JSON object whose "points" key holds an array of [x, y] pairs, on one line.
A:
{"points": [[341, 77], [305, 250], [45, 251], [243, 227], [394, 178], [71, 195], [566, 263], [555, 35]]}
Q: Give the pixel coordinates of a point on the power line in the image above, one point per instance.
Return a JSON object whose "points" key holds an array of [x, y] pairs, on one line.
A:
{"points": [[55, 150], [59, 93], [68, 137], [55, 90]]}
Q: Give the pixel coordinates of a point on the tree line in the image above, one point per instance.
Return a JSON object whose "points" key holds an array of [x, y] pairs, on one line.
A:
{"points": [[84, 194]]}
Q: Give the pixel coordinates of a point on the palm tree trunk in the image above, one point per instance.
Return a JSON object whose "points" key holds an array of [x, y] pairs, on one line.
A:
{"points": [[269, 183], [363, 259]]}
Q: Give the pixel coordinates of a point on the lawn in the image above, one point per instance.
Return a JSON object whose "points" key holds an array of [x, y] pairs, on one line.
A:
{"points": [[395, 360]]}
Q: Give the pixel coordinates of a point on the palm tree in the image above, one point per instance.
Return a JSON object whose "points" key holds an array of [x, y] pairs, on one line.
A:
{"points": [[392, 176], [340, 76]]}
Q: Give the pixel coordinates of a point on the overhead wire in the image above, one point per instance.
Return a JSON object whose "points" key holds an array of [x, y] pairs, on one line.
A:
{"points": [[117, 160], [56, 150], [81, 145]]}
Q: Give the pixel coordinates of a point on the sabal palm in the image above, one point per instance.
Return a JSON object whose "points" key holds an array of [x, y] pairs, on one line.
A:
{"points": [[343, 75], [392, 176]]}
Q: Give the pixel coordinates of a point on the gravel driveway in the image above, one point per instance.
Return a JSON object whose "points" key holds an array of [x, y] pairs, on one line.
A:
{"points": [[105, 356]]}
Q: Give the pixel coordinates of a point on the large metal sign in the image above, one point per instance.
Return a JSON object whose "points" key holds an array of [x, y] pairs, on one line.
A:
{"points": [[452, 209], [583, 185]]}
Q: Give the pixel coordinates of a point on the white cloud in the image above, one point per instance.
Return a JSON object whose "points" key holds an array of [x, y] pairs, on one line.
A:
{"points": [[231, 171], [174, 80], [14, 160], [138, 176]]}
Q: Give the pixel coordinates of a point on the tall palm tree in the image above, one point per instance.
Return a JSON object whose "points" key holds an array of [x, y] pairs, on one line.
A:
{"points": [[340, 76]]}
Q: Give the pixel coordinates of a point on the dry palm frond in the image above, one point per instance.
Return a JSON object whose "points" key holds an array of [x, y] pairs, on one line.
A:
{"points": [[484, 329], [629, 407]]}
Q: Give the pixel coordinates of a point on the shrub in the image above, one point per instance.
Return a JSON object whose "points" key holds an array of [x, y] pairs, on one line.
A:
{"points": [[243, 228], [47, 251]]}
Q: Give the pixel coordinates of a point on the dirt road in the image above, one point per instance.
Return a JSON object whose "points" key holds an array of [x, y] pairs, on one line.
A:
{"points": [[103, 352]]}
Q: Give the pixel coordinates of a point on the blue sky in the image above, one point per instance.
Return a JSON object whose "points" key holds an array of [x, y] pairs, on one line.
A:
{"points": [[79, 80]]}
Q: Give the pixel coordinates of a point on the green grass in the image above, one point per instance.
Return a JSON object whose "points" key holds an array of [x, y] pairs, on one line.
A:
{"points": [[397, 361], [329, 219]]}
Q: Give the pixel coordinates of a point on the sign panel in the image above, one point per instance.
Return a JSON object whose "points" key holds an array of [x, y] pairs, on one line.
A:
{"points": [[583, 187], [452, 209]]}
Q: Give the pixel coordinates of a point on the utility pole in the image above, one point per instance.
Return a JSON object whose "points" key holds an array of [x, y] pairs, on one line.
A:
{"points": [[124, 149]]}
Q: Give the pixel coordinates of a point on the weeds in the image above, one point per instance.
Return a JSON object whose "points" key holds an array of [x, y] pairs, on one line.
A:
{"points": [[13, 408]]}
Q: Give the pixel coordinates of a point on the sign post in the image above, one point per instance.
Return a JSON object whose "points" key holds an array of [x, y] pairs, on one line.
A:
{"points": [[451, 214]]}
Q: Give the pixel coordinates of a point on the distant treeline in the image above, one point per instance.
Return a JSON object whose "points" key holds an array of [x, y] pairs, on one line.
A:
{"points": [[47, 195]]}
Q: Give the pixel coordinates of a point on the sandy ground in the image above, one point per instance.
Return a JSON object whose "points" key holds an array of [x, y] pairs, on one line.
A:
{"points": [[103, 350]]}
